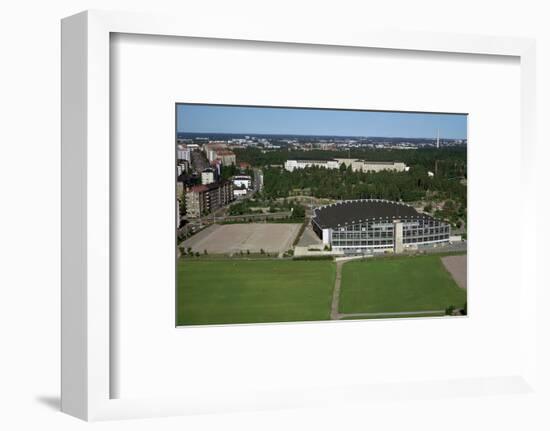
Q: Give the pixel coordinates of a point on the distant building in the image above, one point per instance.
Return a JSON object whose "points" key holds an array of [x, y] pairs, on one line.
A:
{"points": [[183, 167], [208, 176], [241, 185], [356, 165], [290, 165], [205, 198], [185, 181], [227, 157], [219, 151], [370, 225], [240, 181], [239, 192], [327, 146], [184, 152]]}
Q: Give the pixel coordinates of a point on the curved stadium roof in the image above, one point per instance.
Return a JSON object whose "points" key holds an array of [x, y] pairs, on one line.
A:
{"points": [[364, 210]]}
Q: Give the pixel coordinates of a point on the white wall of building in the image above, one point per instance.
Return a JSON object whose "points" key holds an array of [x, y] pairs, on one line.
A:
{"points": [[184, 153], [207, 177], [239, 192], [326, 236], [242, 181], [290, 165]]}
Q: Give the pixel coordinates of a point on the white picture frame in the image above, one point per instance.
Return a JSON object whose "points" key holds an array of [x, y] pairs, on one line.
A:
{"points": [[86, 311]]}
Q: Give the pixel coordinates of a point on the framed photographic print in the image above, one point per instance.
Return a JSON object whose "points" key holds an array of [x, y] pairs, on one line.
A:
{"points": [[245, 209]]}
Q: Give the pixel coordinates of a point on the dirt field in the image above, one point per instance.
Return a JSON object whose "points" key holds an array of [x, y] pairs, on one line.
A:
{"points": [[456, 265], [233, 238]]}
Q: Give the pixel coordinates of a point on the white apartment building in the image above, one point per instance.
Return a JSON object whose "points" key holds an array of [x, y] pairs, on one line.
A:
{"points": [[207, 176], [242, 180], [184, 153]]}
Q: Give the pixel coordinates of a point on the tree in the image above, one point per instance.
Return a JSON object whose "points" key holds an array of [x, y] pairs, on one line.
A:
{"points": [[298, 211], [449, 310], [448, 206]]}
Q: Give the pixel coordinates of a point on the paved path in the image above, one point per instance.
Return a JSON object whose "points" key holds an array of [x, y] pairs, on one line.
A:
{"points": [[391, 314], [334, 315], [457, 267]]}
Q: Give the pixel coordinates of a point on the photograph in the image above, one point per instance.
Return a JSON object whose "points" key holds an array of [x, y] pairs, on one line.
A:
{"points": [[295, 214]]}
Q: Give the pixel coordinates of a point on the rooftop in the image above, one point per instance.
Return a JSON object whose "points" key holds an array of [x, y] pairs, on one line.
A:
{"points": [[369, 162], [362, 210], [311, 160], [206, 187]]}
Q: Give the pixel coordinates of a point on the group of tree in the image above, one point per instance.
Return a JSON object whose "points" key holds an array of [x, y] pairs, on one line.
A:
{"points": [[271, 204], [229, 171], [447, 162], [345, 184]]}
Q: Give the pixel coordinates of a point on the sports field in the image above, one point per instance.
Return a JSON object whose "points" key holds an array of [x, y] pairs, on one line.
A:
{"points": [[252, 237], [253, 291], [403, 284]]}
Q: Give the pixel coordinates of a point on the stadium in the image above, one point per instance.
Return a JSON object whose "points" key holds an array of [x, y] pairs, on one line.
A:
{"points": [[371, 225]]}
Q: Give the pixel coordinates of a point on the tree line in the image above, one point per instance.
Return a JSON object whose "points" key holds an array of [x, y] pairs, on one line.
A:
{"points": [[448, 162], [344, 184]]}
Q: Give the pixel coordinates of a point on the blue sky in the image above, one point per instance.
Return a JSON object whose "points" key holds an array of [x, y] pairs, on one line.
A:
{"points": [[292, 121]]}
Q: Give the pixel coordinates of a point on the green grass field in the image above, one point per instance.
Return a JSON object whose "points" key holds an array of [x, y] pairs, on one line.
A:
{"points": [[252, 291], [401, 284]]}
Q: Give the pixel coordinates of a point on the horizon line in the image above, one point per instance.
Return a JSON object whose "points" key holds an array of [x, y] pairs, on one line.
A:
{"points": [[317, 135]]}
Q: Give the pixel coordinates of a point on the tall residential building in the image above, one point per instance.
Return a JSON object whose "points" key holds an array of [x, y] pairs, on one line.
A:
{"points": [[184, 153], [216, 151], [208, 176], [205, 198]]}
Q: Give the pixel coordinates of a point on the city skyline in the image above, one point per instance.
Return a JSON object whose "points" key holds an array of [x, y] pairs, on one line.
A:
{"points": [[318, 122]]}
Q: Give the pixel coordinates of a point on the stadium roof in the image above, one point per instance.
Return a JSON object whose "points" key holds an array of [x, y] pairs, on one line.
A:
{"points": [[358, 211]]}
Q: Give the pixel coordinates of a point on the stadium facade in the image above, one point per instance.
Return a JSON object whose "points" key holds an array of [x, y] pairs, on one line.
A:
{"points": [[371, 225]]}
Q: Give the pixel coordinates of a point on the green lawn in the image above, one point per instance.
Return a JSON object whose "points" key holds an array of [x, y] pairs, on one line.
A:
{"points": [[242, 291], [417, 283]]}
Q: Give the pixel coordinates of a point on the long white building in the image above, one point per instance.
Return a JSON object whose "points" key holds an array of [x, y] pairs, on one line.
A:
{"points": [[290, 165], [357, 165]]}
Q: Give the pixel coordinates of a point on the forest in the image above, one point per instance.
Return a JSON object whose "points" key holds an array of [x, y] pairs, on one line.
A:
{"points": [[444, 192]]}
